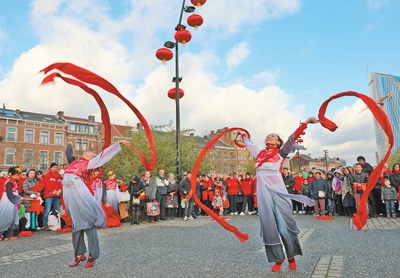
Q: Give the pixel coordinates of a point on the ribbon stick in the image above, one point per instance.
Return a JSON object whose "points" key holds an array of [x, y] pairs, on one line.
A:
{"points": [[89, 77], [193, 181], [360, 219]]}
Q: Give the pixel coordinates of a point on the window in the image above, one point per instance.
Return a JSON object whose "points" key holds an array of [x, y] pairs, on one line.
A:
{"points": [[232, 169], [225, 169], [78, 144], [11, 134], [28, 158], [91, 129], [72, 126], [241, 167], [84, 145], [44, 137], [232, 155], [44, 160], [218, 155], [225, 155], [9, 157], [82, 128], [58, 158], [29, 136], [58, 138]]}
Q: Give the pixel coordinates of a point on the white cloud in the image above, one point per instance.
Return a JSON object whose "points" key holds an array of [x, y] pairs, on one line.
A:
{"points": [[237, 55], [122, 51]]}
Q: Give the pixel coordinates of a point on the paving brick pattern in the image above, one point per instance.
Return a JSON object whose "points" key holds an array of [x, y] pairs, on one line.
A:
{"points": [[30, 255], [380, 223], [328, 266]]}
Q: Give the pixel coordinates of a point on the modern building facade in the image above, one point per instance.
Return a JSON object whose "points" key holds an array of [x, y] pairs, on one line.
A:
{"points": [[385, 90]]}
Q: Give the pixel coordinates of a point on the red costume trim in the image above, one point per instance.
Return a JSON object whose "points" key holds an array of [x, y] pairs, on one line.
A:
{"points": [[193, 181], [361, 217]]}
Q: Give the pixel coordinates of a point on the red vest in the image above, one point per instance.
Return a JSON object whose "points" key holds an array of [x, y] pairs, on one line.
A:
{"points": [[111, 185]]}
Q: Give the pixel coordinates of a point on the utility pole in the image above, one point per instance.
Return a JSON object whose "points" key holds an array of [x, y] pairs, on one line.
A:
{"points": [[326, 160]]}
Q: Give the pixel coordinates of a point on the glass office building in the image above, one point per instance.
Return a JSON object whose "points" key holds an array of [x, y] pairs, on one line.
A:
{"points": [[385, 90]]}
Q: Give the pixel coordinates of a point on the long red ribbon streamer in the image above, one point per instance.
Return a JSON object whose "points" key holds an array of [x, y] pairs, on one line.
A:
{"points": [[105, 117], [241, 236], [92, 78], [361, 217]]}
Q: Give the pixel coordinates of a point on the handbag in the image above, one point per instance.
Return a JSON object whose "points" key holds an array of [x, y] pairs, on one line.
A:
{"points": [[135, 201], [153, 208], [124, 196], [321, 194]]}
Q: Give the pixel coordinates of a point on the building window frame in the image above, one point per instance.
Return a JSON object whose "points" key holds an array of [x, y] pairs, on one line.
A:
{"points": [[41, 140], [24, 158], [15, 133], [57, 140], [43, 164], [7, 152], [31, 136], [58, 157]]}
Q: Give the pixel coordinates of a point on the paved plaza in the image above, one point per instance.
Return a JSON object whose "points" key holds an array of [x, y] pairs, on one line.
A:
{"points": [[201, 248]]}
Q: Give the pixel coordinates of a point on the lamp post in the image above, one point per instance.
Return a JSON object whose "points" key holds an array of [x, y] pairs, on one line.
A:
{"points": [[181, 36], [326, 160]]}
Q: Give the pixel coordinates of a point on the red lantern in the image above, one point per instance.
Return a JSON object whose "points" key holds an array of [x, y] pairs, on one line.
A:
{"points": [[198, 3], [164, 54], [300, 140], [195, 20], [183, 36], [172, 93]]}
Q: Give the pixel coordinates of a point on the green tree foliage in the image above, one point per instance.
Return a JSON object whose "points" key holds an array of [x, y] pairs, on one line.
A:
{"points": [[127, 162], [394, 158], [251, 167]]}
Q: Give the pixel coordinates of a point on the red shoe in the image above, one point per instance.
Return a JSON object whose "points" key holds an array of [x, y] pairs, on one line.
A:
{"points": [[78, 259], [90, 262], [10, 238], [277, 266], [292, 263]]}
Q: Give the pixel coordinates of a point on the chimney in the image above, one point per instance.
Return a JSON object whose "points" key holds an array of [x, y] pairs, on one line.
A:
{"points": [[139, 126], [17, 111], [60, 115], [91, 118], [206, 137], [191, 134], [212, 132]]}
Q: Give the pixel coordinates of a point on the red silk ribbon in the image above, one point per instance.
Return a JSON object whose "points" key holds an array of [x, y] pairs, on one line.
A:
{"points": [[360, 219], [241, 236], [94, 79]]}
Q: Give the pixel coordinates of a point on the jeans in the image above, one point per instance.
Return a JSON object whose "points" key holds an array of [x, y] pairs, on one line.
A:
{"points": [[390, 208], [233, 203], [331, 206], [49, 204], [188, 207]]}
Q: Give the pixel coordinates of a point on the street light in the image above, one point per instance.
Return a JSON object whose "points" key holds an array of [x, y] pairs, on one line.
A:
{"points": [[326, 160], [181, 36]]}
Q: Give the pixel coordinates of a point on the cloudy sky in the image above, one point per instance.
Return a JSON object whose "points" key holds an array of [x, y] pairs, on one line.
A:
{"points": [[263, 65]]}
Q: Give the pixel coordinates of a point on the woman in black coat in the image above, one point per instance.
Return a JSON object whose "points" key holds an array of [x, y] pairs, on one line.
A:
{"points": [[135, 187]]}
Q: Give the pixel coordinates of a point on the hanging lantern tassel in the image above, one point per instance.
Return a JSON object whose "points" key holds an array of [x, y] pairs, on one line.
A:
{"points": [[195, 21], [164, 54], [183, 36]]}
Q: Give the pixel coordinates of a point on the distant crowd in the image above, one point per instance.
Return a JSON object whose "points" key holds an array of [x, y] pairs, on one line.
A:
{"points": [[150, 198]]}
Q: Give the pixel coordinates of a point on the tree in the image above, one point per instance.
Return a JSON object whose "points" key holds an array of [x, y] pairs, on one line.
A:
{"points": [[394, 158], [127, 162]]}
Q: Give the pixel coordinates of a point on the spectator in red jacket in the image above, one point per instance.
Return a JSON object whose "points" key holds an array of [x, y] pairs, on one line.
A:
{"points": [[246, 185], [232, 185], [207, 194], [52, 187], [21, 182]]}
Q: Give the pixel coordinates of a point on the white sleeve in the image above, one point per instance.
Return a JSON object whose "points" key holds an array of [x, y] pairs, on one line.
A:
{"points": [[105, 156], [253, 149]]}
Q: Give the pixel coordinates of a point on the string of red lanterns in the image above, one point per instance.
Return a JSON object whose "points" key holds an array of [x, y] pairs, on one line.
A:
{"points": [[181, 36]]}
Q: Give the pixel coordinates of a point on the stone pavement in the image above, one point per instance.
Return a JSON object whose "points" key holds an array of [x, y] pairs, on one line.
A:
{"points": [[201, 248]]}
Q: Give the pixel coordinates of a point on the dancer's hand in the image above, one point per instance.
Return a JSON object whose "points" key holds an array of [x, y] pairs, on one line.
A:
{"points": [[124, 142], [311, 120]]}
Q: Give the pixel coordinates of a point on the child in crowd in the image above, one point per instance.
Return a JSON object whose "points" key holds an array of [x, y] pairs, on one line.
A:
{"points": [[305, 190], [389, 197], [217, 203]]}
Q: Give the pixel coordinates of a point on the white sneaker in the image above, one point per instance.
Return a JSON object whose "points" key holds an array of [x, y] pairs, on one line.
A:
{"points": [[235, 213], [294, 212], [242, 213], [258, 214], [185, 218], [231, 213], [190, 218]]}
